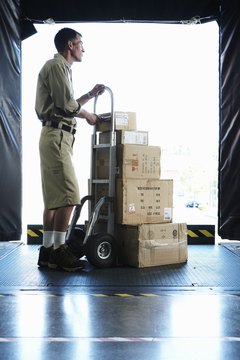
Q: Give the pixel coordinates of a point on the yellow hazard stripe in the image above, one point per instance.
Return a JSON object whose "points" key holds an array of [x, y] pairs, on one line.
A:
{"points": [[32, 233], [202, 231], [206, 233], [95, 295], [192, 234]]}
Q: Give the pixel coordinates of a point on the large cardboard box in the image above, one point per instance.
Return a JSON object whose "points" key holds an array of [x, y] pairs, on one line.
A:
{"points": [[133, 137], [136, 161], [148, 245], [133, 161], [123, 121], [144, 201]]}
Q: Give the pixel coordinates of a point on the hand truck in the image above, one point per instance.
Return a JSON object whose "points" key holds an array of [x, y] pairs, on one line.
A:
{"points": [[96, 239]]}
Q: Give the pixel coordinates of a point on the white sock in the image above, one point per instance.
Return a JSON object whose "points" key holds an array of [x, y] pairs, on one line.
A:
{"points": [[47, 239], [59, 238]]}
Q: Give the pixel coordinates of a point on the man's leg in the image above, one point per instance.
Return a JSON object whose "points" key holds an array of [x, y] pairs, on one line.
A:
{"points": [[56, 221], [61, 257], [48, 219], [61, 221], [48, 237], [48, 226], [55, 224], [61, 218]]}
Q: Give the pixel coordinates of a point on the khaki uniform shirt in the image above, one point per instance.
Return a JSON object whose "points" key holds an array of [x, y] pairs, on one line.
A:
{"points": [[54, 97]]}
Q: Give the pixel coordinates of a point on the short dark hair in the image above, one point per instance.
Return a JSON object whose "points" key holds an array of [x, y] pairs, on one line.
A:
{"points": [[63, 36]]}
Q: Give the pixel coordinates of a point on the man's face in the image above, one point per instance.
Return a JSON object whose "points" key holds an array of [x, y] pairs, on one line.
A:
{"points": [[77, 49]]}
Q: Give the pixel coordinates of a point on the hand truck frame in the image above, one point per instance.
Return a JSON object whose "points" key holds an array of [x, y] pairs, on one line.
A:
{"points": [[96, 239]]}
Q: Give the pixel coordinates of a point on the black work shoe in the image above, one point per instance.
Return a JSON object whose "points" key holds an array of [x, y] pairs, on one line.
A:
{"points": [[63, 258], [44, 254]]}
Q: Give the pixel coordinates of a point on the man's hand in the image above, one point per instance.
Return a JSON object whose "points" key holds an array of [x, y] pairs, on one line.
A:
{"points": [[97, 90], [92, 119]]}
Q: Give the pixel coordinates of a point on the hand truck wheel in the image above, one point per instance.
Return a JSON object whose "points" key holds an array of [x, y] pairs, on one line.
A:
{"points": [[101, 250]]}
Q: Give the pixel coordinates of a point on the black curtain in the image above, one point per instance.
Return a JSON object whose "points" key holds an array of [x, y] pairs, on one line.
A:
{"points": [[116, 10], [10, 122], [229, 142]]}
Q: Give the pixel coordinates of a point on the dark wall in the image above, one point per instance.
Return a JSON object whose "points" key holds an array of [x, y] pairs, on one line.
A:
{"points": [[10, 122]]}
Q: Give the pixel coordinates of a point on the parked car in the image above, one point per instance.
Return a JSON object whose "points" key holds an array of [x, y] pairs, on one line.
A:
{"points": [[193, 204]]}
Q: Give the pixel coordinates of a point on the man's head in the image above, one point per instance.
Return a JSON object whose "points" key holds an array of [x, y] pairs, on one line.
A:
{"points": [[69, 41]]}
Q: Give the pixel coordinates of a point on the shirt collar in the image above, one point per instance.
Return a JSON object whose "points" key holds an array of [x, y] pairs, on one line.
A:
{"points": [[62, 58]]}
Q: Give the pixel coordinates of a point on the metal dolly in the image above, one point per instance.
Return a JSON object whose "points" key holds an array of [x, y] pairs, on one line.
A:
{"points": [[96, 239]]}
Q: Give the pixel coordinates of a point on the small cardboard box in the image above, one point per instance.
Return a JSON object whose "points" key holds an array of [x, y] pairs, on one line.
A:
{"points": [[148, 245], [133, 137], [136, 161], [123, 121], [144, 201]]}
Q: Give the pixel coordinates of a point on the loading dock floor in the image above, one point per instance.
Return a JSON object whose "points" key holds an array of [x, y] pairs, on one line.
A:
{"points": [[187, 311]]}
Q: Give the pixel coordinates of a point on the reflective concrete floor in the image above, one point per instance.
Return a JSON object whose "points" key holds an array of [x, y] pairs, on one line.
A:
{"points": [[69, 322], [74, 326]]}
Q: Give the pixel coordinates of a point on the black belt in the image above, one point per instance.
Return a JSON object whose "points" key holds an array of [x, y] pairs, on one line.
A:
{"points": [[59, 125]]}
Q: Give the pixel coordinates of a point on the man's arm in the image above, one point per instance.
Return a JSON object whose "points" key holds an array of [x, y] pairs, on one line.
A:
{"points": [[83, 114], [90, 118], [97, 90]]}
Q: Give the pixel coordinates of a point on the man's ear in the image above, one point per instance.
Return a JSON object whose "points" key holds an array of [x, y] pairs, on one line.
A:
{"points": [[70, 45]]}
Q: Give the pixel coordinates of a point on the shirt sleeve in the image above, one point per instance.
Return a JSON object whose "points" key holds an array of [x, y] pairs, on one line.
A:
{"points": [[61, 92]]}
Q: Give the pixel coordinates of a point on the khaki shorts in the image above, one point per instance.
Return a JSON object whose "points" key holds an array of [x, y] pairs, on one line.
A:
{"points": [[59, 183]]}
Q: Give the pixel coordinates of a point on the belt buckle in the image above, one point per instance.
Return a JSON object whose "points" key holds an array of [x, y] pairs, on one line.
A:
{"points": [[72, 129], [68, 128]]}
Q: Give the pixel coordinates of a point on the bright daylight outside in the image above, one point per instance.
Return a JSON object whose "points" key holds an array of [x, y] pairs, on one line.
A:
{"points": [[168, 75]]}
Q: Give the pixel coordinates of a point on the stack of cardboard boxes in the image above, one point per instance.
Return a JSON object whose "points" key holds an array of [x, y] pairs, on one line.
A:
{"points": [[144, 229]]}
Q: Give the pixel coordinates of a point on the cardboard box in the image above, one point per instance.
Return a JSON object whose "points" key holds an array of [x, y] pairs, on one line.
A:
{"points": [[148, 245], [140, 162], [133, 137], [123, 121], [133, 161], [144, 201]]}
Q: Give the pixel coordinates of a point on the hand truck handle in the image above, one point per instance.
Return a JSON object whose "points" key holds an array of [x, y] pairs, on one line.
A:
{"points": [[112, 106]]}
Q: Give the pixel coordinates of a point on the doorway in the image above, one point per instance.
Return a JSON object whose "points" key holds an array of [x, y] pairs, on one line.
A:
{"points": [[168, 75]]}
